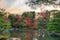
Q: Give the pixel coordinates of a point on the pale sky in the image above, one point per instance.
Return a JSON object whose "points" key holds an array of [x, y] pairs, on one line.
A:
{"points": [[17, 6], [14, 5]]}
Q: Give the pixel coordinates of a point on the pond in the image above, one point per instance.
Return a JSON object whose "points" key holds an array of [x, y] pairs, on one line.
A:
{"points": [[29, 34], [33, 35]]}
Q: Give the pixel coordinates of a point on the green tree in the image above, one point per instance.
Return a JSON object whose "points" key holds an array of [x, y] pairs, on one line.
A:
{"points": [[12, 19], [54, 24], [42, 23], [15, 20], [3, 23], [29, 14]]}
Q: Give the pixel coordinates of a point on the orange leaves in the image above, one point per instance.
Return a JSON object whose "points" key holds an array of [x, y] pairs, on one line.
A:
{"points": [[28, 22], [35, 24], [6, 18]]}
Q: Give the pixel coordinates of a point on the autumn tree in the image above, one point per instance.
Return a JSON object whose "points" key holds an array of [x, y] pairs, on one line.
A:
{"points": [[28, 17]]}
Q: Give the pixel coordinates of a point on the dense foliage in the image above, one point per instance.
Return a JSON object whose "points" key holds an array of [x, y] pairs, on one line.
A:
{"points": [[54, 24], [3, 23], [22, 21], [42, 1]]}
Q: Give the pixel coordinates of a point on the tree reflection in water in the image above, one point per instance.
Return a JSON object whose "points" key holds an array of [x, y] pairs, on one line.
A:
{"points": [[34, 35]]}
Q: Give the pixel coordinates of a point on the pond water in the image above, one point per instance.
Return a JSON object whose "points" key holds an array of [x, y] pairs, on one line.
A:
{"points": [[33, 35], [30, 35]]}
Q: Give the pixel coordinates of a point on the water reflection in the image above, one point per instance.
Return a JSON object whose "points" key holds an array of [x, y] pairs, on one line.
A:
{"points": [[33, 35]]}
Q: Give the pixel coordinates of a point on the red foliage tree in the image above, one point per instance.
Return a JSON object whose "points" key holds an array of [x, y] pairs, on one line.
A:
{"points": [[28, 22], [6, 18]]}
